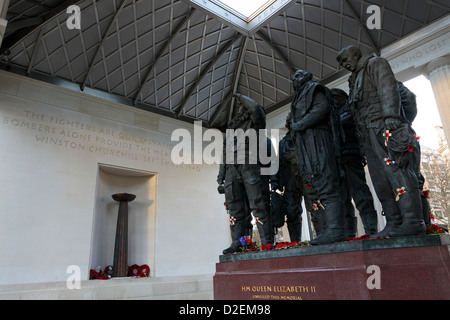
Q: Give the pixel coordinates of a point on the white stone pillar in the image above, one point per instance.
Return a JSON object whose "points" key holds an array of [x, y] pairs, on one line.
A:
{"points": [[438, 72]]}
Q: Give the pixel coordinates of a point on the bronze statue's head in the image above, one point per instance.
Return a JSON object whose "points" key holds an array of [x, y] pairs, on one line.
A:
{"points": [[300, 78], [349, 57], [241, 111], [241, 108]]}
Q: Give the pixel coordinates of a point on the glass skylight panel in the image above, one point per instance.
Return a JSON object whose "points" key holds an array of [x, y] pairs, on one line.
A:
{"points": [[247, 9], [246, 16]]}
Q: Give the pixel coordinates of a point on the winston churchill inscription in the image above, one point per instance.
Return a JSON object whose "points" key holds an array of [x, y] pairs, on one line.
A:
{"points": [[91, 137]]}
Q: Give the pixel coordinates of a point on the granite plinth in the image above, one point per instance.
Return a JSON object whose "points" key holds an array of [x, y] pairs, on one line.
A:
{"points": [[396, 268]]}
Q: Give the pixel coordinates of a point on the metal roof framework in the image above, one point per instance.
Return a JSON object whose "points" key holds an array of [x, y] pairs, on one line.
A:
{"points": [[178, 59]]}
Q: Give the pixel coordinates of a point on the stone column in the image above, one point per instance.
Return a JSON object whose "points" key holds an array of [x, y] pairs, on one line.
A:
{"points": [[438, 72]]}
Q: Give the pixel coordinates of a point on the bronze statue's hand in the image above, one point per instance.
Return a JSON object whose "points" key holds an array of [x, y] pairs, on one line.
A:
{"points": [[297, 126], [392, 123], [275, 186], [221, 189], [364, 161]]}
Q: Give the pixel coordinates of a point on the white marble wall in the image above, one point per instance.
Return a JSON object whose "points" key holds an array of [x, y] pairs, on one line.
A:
{"points": [[56, 207]]}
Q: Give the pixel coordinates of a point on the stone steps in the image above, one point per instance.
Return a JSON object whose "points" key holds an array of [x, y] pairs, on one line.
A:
{"points": [[162, 288]]}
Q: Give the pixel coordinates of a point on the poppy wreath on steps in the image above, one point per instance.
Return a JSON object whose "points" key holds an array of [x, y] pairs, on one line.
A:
{"points": [[133, 271], [138, 271]]}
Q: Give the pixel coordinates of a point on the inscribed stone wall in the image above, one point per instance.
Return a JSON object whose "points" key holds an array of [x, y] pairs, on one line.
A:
{"points": [[53, 143]]}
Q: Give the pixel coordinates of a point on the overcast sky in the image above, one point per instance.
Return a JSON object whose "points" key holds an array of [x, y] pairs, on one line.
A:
{"points": [[428, 115]]}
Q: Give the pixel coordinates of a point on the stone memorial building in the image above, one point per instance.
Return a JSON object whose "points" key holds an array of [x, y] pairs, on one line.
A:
{"points": [[94, 92]]}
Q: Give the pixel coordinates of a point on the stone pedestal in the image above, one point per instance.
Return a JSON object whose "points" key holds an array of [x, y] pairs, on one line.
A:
{"points": [[393, 269], [120, 263]]}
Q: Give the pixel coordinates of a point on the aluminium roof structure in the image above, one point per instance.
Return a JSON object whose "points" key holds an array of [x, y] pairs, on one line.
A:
{"points": [[180, 59]]}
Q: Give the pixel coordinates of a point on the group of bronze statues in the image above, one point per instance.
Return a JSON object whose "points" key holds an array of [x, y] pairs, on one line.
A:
{"points": [[331, 137]]}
